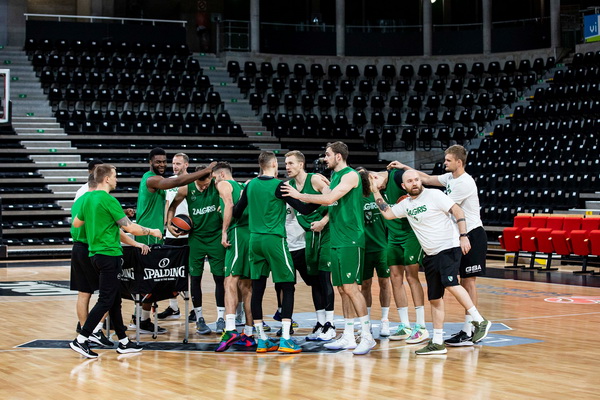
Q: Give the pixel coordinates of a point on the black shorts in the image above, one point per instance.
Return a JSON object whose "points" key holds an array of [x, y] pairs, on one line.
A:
{"points": [[176, 241], [441, 271], [473, 263], [84, 277]]}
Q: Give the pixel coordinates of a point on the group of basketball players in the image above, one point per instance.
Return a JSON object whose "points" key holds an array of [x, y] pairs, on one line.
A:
{"points": [[240, 229]]}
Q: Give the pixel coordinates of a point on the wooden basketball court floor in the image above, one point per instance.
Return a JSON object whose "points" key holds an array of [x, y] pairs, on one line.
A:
{"points": [[543, 345]]}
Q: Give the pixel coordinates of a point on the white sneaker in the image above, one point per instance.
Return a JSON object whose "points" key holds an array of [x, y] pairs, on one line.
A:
{"points": [[419, 334], [327, 332], [343, 343], [365, 346], [314, 335], [385, 328]]}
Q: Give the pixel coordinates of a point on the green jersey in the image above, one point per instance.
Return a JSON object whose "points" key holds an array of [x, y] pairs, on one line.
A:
{"points": [[236, 193], [100, 211], [318, 214], [78, 234], [375, 232], [150, 210], [203, 210], [345, 215], [266, 212], [399, 227]]}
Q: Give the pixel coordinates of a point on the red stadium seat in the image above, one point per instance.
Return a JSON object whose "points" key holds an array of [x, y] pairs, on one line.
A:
{"points": [[580, 241], [543, 238], [561, 239], [510, 240]]}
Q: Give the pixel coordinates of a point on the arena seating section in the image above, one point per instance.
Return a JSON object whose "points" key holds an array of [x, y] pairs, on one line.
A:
{"points": [[117, 100]]}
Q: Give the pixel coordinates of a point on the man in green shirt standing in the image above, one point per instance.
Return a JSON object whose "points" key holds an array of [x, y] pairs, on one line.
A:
{"points": [[151, 209], [102, 216], [346, 222]]}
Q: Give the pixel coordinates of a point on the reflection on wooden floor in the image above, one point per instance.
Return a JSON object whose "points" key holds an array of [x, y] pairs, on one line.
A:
{"points": [[543, 347]]}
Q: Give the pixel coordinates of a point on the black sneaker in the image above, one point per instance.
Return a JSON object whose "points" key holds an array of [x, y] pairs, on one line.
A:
{"points": [[83, 349], [280, 331], [130, 347], [169, 313], [100, 339], [78, 327], [192, 316], [460, 339], [147, 326]]}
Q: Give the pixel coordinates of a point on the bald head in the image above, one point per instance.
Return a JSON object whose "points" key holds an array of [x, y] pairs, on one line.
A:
{"points": [[411, 182], [410, 174]]}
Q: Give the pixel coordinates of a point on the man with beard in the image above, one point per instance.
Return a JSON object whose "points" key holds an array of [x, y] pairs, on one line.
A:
{"points": [[151, 209], [461, 188], [347, 244], [430, 212]]}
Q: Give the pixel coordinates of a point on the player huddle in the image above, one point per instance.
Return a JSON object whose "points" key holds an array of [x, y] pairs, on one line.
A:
{"points": [[355, 223]]}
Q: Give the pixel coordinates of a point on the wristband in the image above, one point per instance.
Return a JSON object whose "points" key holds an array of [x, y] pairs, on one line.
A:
{"points": [[464, 235], [460, 219]]}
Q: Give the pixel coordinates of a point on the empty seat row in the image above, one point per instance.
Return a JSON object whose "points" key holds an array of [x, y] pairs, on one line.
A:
{"points": [[103, 46], [116, 63]]}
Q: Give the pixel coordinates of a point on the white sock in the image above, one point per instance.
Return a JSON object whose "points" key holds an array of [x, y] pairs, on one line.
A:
{"points": [[321, 317], [329, 316], [420, 311], [369, 312], [124, 341], [248, 330], [349, 327], [260, 332], [220, 312], [145, 315], [198, 311], [81, 338], [365, 324], [438, 336], [173, 304], [385, 313], [230, 322], [403, 313], [468, 326], [285, 329], [98, 327], [475, 314]]}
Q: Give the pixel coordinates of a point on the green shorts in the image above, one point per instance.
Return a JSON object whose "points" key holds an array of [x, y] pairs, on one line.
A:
{"points": [[210, 248], [404, 251], [237, 260], [347, 265], [375, 260], [317, 252], [270, 253]]}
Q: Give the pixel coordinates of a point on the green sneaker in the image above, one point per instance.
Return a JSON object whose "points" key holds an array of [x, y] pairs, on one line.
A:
{"points": [[431, 349], [289, 346], [481, 330], [266, 345], [402, 332]]}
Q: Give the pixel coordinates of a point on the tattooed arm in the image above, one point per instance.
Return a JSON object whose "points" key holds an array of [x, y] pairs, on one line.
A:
{"points": [[138, 230], [384, 207]]}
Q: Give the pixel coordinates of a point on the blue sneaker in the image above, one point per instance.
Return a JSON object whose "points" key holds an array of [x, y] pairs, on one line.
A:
{"points": [[246, 341], [277, 317], [289, 346], [227, 339], [266, 327], [266, 345]]}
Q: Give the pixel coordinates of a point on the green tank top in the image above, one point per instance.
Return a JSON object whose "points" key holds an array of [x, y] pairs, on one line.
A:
{"points": [[203, 210], [150, 210], [266, 213], [345, 215], [78, 234], [236, 193], [318, 214], [375, 232], [399, 227]]}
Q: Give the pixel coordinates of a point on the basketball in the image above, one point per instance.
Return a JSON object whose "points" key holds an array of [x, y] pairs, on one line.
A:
{"points": [[182, 223]]}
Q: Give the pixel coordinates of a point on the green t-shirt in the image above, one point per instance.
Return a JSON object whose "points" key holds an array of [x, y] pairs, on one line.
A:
{"points": [[203, 209], [375, 232], [266, 213], [78, 234], [346, 218], [236, 193], [100, 211], [150, 210], [318, 214], [398, 227]]}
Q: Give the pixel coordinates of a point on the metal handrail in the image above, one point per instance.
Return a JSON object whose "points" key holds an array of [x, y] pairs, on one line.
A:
{"points": [[92, 18]]}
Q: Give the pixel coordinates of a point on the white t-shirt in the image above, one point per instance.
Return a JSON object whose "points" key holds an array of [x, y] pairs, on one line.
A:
{"points": [[429, 217], [295, 233], [463, 190], [182, 208], [83, 189]]}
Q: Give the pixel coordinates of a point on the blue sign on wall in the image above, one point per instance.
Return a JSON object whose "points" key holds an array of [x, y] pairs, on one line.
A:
{"points": [[590, 29]]}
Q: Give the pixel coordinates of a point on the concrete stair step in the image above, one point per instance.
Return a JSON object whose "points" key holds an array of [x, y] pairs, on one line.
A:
{"points": [[67, 164], [64, 188], [592, 204], [65, 204], [56, 158], [40, 130], [47, 144]]}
